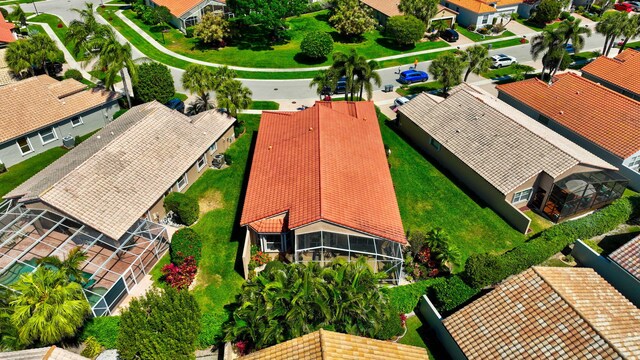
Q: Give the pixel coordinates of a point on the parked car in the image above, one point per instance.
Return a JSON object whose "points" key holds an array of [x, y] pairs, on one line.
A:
{"points": [[569, 48], [623, 7], [175, 104], [635, 5], [412, 76], [403, 100], [501, 60], [450, 35], [341, 86]]}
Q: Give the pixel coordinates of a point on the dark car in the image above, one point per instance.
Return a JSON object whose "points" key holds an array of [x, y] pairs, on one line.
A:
{"points": [[175, 104], [341, 86], [412, 76], [450, 35], [569, 48]]}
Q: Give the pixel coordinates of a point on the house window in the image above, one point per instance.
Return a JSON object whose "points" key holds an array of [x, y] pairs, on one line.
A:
{"points": [[436, 145], [201, 162], [523, 195], [485, 19], [271, 242], [48, 135], [76, 121], [25, 145], [190, 21], [634, 163], [213, 148], [182, 182]]}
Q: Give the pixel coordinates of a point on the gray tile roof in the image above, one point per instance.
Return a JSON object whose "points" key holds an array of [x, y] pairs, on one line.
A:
{"points": [[111, 180], [501, 144]]}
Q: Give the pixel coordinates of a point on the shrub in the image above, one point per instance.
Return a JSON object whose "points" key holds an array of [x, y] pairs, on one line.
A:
{"points": [[92, 348], [564, 15], [547, 10], [228, 159], [104, 329], [274, 266], [258, 258], [164, 324], [571, 18], [316, 44], [60, 25], [185, 243], [449, 294], [73, 74], [184, 206], [212, 28], [483, 31], [180, 276], [4, 12], [417, 239], [405, 29], [238, 129], [392, 326], [189, 32], [3, 168], [486, 269], [471, 27], [154, 83], [211, 324], [403, 299]]}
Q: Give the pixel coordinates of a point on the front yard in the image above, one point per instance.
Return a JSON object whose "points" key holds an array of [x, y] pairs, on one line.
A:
{"points": [[474, 36]]}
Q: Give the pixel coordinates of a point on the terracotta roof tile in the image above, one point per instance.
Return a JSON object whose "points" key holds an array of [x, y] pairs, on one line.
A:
{"points": [[180, 7], [276, 224], [577, 104], [481, 7], [559, 313], [621, 70], [328, 345], [40, 101], [628, 257], [6, 35], [390, 7], [324, 163]]}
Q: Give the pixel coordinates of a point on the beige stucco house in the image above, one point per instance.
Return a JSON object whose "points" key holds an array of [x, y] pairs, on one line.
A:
{"points": [[384, 9]]}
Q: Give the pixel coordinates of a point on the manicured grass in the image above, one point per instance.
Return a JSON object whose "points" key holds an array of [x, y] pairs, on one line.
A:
{"points": [[98, 74], [585, 55], [417, 89], [264, 105], [156, 272], [505, 43], [428, 198], [538, 223], [410, 59], [537, 27], [283, 55], [419, 335], [632, 44], [181, 96], [474, 36], [7, 3], [553, 262], [61, 33], [498, 73]]}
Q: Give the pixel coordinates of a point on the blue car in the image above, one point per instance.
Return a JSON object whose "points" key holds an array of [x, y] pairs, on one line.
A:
{"points": [[412, 76], [569, 48], [175, 104]]}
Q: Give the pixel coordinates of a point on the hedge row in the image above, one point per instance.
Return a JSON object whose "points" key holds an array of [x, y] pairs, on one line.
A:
{"points": [[486, 269], [449, 294], [404, 299], [104, 329]]}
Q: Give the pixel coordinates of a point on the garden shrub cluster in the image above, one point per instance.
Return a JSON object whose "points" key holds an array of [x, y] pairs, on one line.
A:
{"points": [[317, 45], [104, 329], [154, 83], [404, 299], [92, 348], [184, 206], [185, 243], [486, 269], [258, 258], [392, 325], [73, 74], [180, 276], [430, 254], [405, 29], [449, 294]]}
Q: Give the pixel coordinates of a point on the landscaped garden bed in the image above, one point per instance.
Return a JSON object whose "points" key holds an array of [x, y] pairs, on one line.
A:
{"points": [[475, 36]]}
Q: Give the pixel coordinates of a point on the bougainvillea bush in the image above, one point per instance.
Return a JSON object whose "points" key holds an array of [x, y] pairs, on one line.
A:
{"points": [[180, 276]]}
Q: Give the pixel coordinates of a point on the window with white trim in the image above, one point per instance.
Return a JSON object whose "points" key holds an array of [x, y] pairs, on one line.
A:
{"points": [[271, 242], [436, 145], [48, 135], [485, 19], [634, 163], [182, 182], [76, 121], [213, 148], [523, 195], [25, 145], [201, 162]]}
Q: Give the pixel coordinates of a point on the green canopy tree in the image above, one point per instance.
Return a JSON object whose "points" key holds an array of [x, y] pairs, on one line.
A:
{"points": [[212, 28], [264, 18], [324, 79], [18, 15], [19, 57], [630, 29], [154, 83], [545, 43], [424, 10], [43, 49], [365, 77], [611, 26], [351, 19], [405, 29], [447, 69], [113, 59], [477, 59], [546, 11], [70, 267], [349, 65]]}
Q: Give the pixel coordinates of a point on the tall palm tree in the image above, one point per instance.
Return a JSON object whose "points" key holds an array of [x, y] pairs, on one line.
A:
{"points": [[348, 65], [44, 49], [477, 59], [19, 57], [571, 31], [611, 27], [324, 79], [630, 29], [545, 43], [47, 308], [220, 75], [198, 79], [8, 332], [17, 14], [70, 266], [86, 33], [113, 59], [366, 75], [447, 69], [233, 96]]}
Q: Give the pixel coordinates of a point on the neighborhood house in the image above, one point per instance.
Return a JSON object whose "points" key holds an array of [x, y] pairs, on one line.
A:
{"points": [[320, 188], [187, 13], [7, 32], [619, 74], [106, 196], [384, 9], [510, 161], [481, 13], [38, 112], [581, 110]]}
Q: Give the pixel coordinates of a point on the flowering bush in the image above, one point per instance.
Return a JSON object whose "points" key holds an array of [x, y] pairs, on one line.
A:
{"points": [[60, 26], [258, 258], [403, 319], [242, 347], [180, 276]]}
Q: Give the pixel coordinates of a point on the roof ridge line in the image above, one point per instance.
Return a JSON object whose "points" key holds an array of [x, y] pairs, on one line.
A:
{"points": [[322, 354], [319, 159], [603, 87], [555, 290]]}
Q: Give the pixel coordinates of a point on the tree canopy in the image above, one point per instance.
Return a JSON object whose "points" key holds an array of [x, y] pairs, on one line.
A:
{"points": [[316, 44], [421, 9], [405, 29], [264, 17], [447, 69], [212, 28], [546, 11], [154, 83], [350, 18]]}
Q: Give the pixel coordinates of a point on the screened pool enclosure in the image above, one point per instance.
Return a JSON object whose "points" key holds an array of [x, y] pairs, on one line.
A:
{"points": [[323, 247], [112, 267]]}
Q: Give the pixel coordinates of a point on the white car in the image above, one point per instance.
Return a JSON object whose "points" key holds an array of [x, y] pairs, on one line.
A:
{"points": [[401, 101], [501, 60]]}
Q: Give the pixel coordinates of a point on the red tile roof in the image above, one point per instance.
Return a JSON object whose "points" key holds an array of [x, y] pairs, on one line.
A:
{"points": [[621, 70], [6, 35], [324, 163], [593, 111], [180, 7]]}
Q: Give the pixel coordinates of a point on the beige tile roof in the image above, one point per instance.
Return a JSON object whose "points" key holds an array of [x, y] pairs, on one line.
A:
{"points": [[628, 256], [501, 144], [6, 76], [549, 313], [46, 353], [40, 101], [390, 8], [329, 345], [113, 178]]}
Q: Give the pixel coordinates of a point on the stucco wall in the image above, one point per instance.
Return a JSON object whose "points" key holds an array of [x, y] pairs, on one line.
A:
{"points": [[466, 17], [466, 175], [92, 120]]}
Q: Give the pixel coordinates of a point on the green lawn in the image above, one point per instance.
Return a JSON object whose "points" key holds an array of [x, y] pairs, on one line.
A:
{"points": [[474, 36], [419, 335], [285, 55], [428, 198], [537, 27], [98, 74], [410, 59], [181, 96], [498, 73], [264, 105], [538, 223], [61, 33], [11, 2], [504, 43], [417, 89]]}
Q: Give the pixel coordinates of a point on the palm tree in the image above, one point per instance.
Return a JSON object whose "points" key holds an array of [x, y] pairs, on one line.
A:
{"points": [[630, 29], [366, 75], [324, 79], [220, 75], [17, 14], [44, 49], [233, 96], [447, 69], [477, 59], [86, 33], [47, 308], [439, 26], [69, 267], [113, 59], [198, 79], [520, 71], [19, 57], [545, 43], [348, 66], [8, 332], [611, 27], [571, 31]]}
